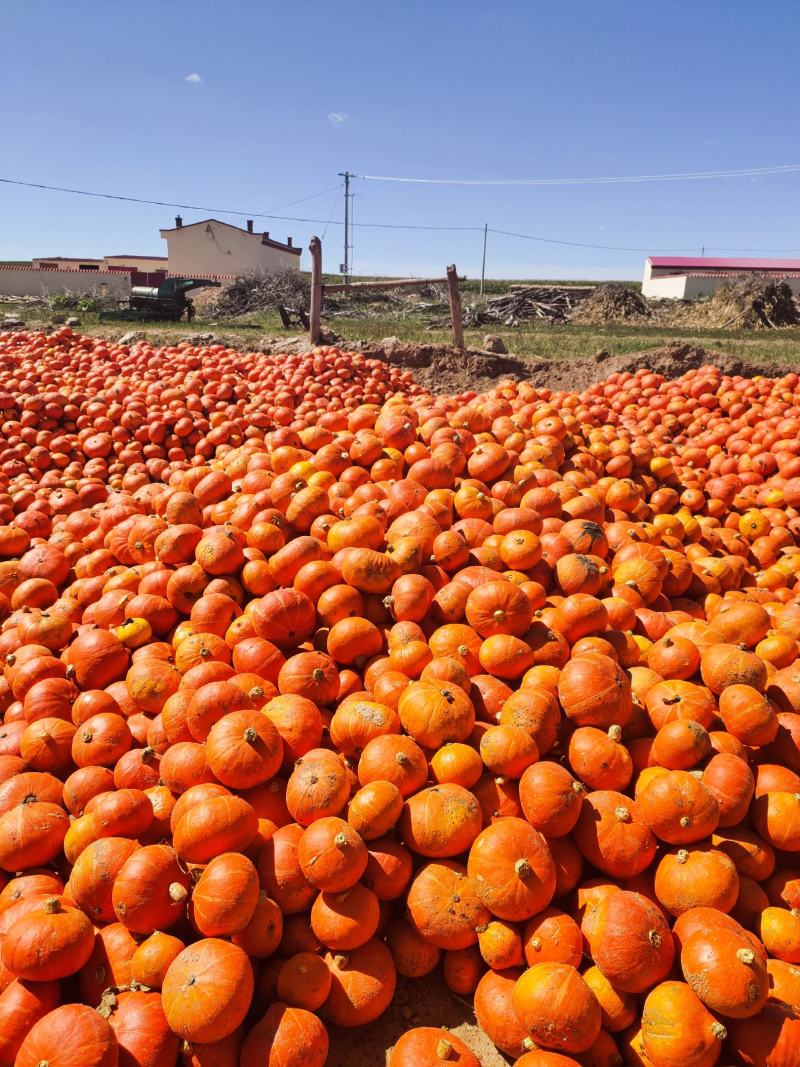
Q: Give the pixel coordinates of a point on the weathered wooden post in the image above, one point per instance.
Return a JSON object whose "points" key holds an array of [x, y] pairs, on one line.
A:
{"points": [[456, 313], [315, 312]]}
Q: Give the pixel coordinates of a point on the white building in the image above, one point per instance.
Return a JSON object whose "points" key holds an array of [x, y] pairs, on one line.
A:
{"points": [[690, 277], [214, 247]]}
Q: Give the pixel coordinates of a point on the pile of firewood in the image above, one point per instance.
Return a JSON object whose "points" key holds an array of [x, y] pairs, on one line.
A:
{"points": [[551, 303]]}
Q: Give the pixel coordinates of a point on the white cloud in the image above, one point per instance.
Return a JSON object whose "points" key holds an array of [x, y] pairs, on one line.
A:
{"points": [[336, 118], [195, 79]]}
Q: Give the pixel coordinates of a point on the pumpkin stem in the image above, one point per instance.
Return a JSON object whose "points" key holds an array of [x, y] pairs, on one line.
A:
{"points": [[719, 1031], [251, 735], [745, 955], [444, 1050], [318, 674], [177, 892], [52, 906], [108, 1003], [615, 732], [685, 822], [340, 840], [623, 814], [536, 943], [654, 937], [342, 961], [682, 856], [523, 868]]}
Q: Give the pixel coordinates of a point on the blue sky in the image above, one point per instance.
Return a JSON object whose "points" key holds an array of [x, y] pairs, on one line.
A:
{"points": [[97, 95]]}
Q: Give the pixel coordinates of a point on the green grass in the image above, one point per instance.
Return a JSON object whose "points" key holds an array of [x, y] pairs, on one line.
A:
{"points": [[530, 339]]}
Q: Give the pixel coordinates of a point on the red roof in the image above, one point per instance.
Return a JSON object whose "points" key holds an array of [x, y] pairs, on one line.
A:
{"points": [[725, 274], [687, 263]]}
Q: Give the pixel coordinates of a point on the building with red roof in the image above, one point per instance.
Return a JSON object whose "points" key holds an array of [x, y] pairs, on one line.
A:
{"points": [[690, 277]]}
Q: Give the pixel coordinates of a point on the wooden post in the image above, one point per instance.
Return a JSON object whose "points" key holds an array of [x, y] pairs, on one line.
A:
{"points": [[314, 332], [456, 313]]}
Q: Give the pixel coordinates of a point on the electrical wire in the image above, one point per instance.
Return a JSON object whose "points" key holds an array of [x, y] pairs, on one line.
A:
{"points": [[330, 221], [164, 203], [302, 199], [333, 210], [747, 172], [225, 211], [583, 244]]}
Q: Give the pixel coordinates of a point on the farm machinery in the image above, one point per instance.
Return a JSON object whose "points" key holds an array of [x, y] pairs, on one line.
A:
{"points": [[165, 302]]}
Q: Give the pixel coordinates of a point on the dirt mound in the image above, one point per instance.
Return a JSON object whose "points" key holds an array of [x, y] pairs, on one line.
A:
{"points": [[610, 303], [445, 370]]}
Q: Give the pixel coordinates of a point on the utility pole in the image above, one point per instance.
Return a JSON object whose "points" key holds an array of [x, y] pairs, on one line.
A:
{"points": [[703, 251], [483, 263], [347, 246]]}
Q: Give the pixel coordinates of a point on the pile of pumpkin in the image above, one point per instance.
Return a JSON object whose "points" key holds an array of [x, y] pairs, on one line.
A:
{"points": [[312, 680]]}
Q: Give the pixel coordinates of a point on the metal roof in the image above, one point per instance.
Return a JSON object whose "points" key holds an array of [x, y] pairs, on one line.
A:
{"points": [[687, 263]]}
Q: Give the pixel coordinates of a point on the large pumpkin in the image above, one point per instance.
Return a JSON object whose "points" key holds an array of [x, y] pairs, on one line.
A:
{"points": [[630, 942], [513, 869], [291, 1037], [362, 984], [73, 1035], [595, 691], [677, 1029], [440, 821], [427, 1045], [557, 1008], [207, 990], [444, 905]]}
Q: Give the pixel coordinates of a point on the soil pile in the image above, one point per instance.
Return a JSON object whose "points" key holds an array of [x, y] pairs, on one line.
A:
{"points": [[444, 370]]}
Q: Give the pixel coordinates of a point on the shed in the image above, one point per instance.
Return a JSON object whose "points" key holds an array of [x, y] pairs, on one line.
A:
{"points": [[689, 277]]}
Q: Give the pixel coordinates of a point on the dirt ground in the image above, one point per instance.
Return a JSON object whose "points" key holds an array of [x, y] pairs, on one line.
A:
{"points": [[446, 370], [422, 1002]]}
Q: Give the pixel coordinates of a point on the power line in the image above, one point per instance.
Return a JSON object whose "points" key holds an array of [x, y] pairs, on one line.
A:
{"points": [[167, 203], [226, 211], [333, 210], [583, 244], [330, 221], [303, 199], [748, 172]]}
